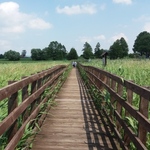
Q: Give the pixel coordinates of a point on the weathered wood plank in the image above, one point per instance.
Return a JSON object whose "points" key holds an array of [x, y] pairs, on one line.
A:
{"points": [[74, 122]]}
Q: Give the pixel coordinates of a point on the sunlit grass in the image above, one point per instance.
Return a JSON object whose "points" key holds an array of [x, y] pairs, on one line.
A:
{"points": [[135, 70], [10, 71]]}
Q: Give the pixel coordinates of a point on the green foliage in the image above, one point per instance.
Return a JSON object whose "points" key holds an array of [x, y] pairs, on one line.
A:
{"points": [[50, 93], [15, 70], [56, 51], [119, 49], [12, 55], [1, 56], [131, 55], [142, 44], [36, 54], [87, 51], [96, 96], [131, 123], [97, 51], [137, 71], [28, 133], [72, 54], [3, 141]]}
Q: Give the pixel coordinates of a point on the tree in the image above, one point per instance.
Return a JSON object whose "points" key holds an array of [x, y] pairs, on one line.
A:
{"points": [[45, 53], [119, 49], [142, 44], [98, 51], [124, 46], [12, 55], [87, 51], [23, 54], [72, 54], [1, 56], [56, 51], [36, 54]]}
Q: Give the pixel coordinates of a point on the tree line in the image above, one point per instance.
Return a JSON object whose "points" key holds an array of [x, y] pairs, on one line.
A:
{"points": [[57, 51]]}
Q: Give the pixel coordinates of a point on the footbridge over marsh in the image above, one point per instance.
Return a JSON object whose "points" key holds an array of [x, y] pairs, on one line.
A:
{"points": [[92, 110]]}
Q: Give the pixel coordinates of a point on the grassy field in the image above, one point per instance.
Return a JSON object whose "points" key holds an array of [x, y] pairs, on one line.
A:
{"points": [[10, 71], [137, 70], [131, 69]]}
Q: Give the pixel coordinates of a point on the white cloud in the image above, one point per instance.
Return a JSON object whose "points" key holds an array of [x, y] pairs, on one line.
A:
{"points": [[39, 24], [142, 18], [9, 7], [84, 39], [100, 37], [147, 27], [12, 29], [14, 21], [118, 36], [77, 9], [4, 44], [128, 2]]}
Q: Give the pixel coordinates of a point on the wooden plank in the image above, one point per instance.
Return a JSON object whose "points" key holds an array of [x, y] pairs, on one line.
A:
{"points": [[74, 123]]}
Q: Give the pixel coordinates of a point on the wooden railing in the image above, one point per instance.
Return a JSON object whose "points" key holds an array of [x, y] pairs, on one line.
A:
{"points": [[24, 110], [130, 124]]}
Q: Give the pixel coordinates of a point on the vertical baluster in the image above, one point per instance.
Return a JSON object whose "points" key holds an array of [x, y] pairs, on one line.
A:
{"points": [[143, 108], [12, 104], [25, 94]]}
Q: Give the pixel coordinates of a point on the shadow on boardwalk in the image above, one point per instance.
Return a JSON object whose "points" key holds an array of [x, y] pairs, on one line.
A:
{"points": [[74, 124], [97, 129]]}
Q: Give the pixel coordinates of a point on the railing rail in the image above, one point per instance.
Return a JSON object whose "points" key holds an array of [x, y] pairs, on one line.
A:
{"points": [[31, 90], [122, 94]]}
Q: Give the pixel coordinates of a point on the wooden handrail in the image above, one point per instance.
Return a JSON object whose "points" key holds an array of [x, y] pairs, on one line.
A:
{"points": [[32, 89], [121, 97]]}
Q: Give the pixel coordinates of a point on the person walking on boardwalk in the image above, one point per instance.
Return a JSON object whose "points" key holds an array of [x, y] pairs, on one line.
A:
{"points": [[74, 63]]}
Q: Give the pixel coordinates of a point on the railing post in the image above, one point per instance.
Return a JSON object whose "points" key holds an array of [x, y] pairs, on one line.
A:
{"points": [[118, 106], [39, 84], [129, 100], [143, 108], [112, 99], [104, 80], [33, 89], [12, 104], [25, 94]]}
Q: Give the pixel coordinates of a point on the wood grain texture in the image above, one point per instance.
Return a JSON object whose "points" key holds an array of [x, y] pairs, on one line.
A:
{"points": [[74, 123]]}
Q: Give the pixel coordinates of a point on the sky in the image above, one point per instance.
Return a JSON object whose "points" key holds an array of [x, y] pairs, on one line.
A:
{"points": [[27, 24]]}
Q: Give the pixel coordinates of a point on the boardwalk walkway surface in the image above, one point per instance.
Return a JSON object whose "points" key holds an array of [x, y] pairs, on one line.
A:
{"points": [[74, 123]]}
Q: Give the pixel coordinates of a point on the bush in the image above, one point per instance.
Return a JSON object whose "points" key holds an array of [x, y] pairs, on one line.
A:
{"points": [[12, 55]]}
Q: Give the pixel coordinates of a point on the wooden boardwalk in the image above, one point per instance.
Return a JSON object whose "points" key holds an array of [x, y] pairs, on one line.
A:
{"points": [[74, 123]]}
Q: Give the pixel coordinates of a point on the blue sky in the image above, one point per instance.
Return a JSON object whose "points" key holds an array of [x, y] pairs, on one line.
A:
{"points": [[27, 24]]}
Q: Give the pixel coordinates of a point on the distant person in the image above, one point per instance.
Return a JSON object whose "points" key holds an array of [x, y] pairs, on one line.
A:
{"points": [[74, 63]]}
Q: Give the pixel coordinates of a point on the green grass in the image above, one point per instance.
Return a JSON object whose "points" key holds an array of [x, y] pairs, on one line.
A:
{"points": [[135, 70], [15, 70], [11, 71]]}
